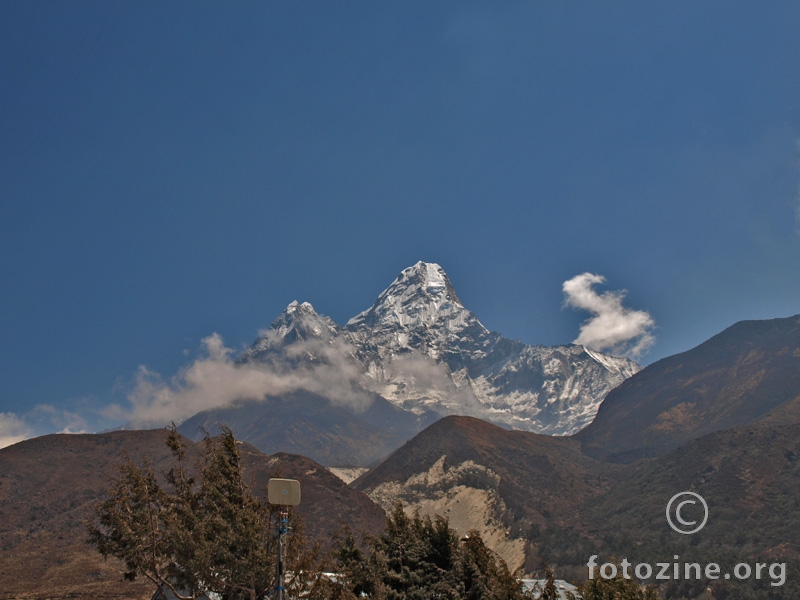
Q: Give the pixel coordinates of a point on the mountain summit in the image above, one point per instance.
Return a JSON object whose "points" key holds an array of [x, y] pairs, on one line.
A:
{"points": [[298, 323], [416, 355], [421, 349], [421, 296], [424, 351], [418, 313]]}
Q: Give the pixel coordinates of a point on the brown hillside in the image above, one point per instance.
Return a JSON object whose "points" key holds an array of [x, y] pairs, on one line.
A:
{"points": [[748, 372], [748, 475], [48, 485]]}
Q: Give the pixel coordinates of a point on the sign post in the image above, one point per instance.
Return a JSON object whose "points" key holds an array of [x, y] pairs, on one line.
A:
{"points": [[283, 493]]}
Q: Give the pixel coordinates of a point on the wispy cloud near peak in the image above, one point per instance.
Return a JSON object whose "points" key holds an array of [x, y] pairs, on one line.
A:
{"points": [[612, 327], [214, 380], [13, 429]]}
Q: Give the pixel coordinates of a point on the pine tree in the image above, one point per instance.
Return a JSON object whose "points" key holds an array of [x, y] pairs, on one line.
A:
{"points": [[618, 588], [198, 536], [549, 591], [421, 558]]}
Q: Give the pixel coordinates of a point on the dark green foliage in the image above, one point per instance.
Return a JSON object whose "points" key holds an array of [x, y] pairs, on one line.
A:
{"points": [[420, 558], [133, 522], [549, 592], [485, 575], [618, 588], [560, 546], [362, 572], [209, 535]]}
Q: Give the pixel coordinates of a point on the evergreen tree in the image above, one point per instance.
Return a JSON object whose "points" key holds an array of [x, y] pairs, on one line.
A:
{"points": [[209, 535], [618, 588], [422, 558], [549, 591]]}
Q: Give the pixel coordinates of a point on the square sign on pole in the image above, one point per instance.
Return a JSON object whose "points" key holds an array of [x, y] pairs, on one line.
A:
{"points": [[285, 492]]}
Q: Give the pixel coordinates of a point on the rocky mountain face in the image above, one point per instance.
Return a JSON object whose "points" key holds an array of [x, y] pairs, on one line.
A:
{"points": [[421, 350], [508, 485], [424, 351], [748, 372]]}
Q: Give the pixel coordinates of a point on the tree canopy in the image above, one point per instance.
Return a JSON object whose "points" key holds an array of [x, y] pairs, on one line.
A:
{"points": [[420, 558], [195, 535]]}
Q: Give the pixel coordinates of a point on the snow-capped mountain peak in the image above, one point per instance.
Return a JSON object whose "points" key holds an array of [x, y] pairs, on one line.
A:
{"points": [[420, 348], [299, 322], [421, 294], [420, 310]]}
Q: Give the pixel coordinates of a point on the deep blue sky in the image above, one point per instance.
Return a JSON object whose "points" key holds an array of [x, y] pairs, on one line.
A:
{"points": [[169, 170]]}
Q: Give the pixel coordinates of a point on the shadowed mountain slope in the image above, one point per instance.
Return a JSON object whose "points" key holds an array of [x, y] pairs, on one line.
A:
{"points": [[748, 372], [749, 477], [305, 423]]}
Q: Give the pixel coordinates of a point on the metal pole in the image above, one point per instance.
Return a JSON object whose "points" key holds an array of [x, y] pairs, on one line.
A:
{"points": [[283, 493], [283, 528]]}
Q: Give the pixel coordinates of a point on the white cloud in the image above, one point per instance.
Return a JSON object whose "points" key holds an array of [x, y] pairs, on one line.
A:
{"points": [[40, 420], [422, 379], [612, 327], [46, 417], [13, 430], [215, 380]]}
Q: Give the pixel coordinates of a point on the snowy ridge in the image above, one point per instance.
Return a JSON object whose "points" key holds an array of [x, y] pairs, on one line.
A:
{"points": [[421, 297], [421, 349], [298, 323]]}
